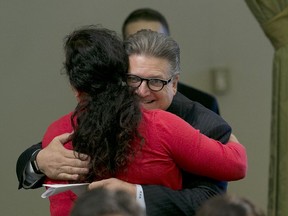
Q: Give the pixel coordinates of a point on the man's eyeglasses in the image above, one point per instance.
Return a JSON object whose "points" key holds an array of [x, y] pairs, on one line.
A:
{"points": [[153, 84]]}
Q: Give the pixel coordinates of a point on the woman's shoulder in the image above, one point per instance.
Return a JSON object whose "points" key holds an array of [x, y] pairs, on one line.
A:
{"points": [[158, 115], [59, 126]]}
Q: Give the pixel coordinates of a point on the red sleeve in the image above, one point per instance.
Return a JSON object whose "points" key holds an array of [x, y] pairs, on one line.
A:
{"points": [[198, 154], [60, 204]]}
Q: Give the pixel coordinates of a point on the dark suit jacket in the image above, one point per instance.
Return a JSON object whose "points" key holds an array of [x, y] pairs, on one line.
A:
{"points": [[22, 161], [201, 97]]}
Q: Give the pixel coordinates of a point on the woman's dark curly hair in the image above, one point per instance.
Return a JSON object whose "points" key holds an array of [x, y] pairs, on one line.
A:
{"points": [[108, 113]]}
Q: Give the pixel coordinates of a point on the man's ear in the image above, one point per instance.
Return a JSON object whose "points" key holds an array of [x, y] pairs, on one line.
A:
{"points": [[175, 83]]}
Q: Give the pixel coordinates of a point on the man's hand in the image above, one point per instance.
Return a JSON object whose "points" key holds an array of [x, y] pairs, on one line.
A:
{"points": [[233, 138], [114, 184], [59, 163]]}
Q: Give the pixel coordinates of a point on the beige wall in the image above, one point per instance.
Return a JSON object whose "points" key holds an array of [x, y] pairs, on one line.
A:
{"points": [[210, 33]]}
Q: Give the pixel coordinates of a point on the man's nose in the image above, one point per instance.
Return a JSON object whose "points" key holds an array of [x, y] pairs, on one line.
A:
{"points": [[143, 90]]}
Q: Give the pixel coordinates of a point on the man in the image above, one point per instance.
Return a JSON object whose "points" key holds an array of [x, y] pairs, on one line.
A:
{"points": [[58, 163], [146, 18]]}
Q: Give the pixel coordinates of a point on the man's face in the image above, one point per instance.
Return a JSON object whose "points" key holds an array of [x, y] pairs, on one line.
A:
{"points": [[153, 67], [133, 27]]}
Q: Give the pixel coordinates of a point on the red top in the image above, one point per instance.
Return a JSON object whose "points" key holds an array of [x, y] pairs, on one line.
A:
{"points": [[170, 145]]}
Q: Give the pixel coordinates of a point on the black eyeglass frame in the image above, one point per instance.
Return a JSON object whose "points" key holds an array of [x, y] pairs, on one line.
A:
{"points": [[164, 82]]}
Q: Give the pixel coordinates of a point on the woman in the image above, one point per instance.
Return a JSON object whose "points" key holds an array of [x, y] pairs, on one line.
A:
{"points": [[122, 139]]}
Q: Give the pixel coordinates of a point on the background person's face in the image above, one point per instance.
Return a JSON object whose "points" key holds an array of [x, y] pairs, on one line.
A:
{"points": [[153, 67]]}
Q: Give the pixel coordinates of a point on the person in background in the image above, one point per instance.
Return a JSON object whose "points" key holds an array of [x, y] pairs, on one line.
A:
{"points": [[147, 18], [122, 138], [229, 205], [57, 162], [103, 202]]}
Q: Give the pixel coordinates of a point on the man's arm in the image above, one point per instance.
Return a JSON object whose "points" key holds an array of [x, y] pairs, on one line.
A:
{"points": [[161, 200], [55, 161], [23, 162]]}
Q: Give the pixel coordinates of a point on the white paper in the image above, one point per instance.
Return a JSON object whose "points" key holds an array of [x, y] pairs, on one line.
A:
{"points": [[53, 189]]}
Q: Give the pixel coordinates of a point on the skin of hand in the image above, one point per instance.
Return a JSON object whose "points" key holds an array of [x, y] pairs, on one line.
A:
{"points": [[114, 184], [59, 163], [233, 138]]}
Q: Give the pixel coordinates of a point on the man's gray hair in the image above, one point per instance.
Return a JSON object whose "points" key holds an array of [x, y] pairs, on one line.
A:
{"points": [[154, 44]]}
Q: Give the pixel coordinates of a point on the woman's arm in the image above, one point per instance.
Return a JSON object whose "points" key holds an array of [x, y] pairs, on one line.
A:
{"points": [[198, 154]]}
